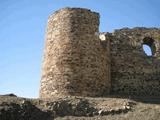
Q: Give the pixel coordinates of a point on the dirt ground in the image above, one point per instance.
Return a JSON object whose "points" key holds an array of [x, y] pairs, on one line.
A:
{"points": [[80, 108], [144, 109]]}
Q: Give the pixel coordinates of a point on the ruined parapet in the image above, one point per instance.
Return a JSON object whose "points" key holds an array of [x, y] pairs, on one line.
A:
{"points": [[132, 71], [74, 62], [80, 61]]}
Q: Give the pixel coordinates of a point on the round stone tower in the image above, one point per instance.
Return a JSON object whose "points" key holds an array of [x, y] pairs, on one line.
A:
{"points": [[73, 63]]}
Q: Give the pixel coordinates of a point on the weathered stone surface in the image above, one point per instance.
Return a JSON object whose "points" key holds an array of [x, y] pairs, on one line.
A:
{"points": [[80, 61], [74, 59], [132, 71]]}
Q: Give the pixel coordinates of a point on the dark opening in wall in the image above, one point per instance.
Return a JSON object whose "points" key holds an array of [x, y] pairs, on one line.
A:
{"points": [[149, 46]]}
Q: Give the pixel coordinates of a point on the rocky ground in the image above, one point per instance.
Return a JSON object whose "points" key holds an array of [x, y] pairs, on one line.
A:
{"points": [[79, 108]]}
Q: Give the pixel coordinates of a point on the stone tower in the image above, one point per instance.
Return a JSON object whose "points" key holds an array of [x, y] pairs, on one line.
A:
{"points": [[75, 61]]}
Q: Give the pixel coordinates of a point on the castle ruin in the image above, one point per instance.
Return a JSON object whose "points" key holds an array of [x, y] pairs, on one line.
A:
{"points": [[81, 61]]}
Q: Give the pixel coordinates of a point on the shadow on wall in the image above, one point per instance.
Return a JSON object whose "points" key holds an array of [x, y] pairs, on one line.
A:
{"points": [[149, 46]]}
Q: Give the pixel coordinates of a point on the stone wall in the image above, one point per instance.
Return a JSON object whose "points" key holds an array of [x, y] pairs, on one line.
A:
{"points": [[75, 61], [80, 61], [132, 71]]}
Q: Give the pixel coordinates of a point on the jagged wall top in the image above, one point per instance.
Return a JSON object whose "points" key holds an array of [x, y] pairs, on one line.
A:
{"points": [[77, 62]]}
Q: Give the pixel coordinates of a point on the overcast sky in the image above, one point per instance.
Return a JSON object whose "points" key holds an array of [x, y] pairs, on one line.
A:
{"points": [[22, 31]]}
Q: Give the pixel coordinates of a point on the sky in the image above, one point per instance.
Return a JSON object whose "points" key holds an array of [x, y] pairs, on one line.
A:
{"points": [[22, 33]]}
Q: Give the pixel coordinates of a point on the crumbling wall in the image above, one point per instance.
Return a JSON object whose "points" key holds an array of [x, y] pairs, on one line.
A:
{"points": [[132, 71], [74, 59], [78, 60]]}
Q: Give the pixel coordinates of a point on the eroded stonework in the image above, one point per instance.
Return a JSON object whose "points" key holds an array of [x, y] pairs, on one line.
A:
{"points": [[132, 71], [81, 61]]}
